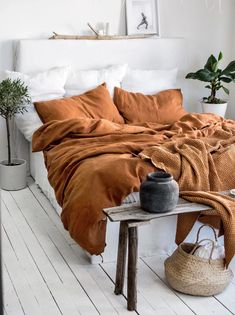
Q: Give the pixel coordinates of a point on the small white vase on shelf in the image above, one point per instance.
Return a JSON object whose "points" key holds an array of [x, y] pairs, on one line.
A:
{"points": [[218, 109]]}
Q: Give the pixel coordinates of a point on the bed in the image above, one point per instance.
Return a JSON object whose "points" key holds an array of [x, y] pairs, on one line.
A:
{"points": [[141, 54]]}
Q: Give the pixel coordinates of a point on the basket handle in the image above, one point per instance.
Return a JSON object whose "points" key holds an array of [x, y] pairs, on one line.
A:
{"points": [[196, 246], [199, 230]]}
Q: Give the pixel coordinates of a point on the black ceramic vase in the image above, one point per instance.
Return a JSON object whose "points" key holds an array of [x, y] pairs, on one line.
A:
{"points": [[159, 193]]}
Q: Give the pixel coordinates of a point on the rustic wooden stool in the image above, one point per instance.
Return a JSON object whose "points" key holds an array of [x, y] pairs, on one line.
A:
{"points": [[131, 216]]}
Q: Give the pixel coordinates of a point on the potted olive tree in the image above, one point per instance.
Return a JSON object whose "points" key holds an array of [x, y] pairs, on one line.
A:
{"points": [[215, 77], [13, 100]]}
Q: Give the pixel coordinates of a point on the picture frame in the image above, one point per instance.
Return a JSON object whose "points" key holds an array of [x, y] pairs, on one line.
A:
{"points": [[142, 17]]}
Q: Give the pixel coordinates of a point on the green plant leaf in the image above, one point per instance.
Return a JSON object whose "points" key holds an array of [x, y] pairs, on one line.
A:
{"points": [[225, 89], [229, 69], [204, 75], [208, 87], [190, 75], [218, 73], [210, 64], [220, 57], [231, 76], [226, 79], [13, 98], [215, 68]]}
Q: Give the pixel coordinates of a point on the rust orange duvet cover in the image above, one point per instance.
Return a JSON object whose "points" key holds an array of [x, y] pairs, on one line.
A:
{"points": [[94, 164]]}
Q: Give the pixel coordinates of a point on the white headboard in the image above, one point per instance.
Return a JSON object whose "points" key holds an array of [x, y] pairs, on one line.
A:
{"points": [[154, 53], [36, 55]]}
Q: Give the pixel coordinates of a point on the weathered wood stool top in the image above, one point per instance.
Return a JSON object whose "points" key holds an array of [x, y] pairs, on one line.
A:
{"points": [[133, 211], [130, 217]]}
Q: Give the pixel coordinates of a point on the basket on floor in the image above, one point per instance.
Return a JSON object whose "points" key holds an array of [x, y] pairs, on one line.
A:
{"points": [[194, 275]]}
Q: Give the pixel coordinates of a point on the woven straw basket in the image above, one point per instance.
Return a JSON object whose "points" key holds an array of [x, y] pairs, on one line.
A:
{"points": [[195, 275]]}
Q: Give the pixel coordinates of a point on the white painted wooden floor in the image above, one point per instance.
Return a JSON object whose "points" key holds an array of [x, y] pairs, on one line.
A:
{"points": [[45, 272]]}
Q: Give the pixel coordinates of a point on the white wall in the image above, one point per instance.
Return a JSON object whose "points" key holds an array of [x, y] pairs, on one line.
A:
{"points": [[207, 26]]}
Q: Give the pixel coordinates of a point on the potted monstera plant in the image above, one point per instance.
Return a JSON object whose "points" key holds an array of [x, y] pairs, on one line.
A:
{"points": [[215, 78], [13, 100]]}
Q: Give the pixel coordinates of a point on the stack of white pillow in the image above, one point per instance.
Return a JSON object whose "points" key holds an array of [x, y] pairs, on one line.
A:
{"points": [[63, 81]]}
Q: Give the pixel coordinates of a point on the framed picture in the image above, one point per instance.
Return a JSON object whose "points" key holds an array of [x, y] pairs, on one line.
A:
{"points": [[142, 17]]}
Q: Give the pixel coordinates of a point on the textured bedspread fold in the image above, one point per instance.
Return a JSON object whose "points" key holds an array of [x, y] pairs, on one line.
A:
{"points": [[202, 166], [93, 164], [224, 210]]}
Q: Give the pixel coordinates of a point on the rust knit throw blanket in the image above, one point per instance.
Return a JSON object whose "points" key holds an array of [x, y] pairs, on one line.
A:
{"points": [[202, 166], [93, 164], [224, 208]]}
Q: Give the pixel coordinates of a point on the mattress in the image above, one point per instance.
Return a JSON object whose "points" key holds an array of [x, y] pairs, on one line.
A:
{"points": [[39, 173]]}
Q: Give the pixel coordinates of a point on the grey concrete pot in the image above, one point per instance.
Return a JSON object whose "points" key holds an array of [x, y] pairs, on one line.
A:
{"points": [[13, 177], [159, 193]]}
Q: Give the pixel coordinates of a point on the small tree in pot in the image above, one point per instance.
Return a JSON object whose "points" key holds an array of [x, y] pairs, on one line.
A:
{"points": [[13, 100], [216, 78]]}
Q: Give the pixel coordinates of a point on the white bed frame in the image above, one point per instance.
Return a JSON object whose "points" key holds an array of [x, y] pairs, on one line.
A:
{"points": [[38, 55]]}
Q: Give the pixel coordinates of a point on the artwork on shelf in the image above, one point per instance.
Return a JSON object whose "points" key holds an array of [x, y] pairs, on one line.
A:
{"points": [[142, 17]]}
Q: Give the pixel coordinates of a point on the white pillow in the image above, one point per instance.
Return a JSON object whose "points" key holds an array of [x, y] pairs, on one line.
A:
{"points": [[28, 122], [81, 81], [43, 85], [149, 82]]}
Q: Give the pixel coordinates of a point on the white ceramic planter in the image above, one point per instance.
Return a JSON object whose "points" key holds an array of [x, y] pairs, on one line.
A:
{"points": [[13, 177], [218, 109]]}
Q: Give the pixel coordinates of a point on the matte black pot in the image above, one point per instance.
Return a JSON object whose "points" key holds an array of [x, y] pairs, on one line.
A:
{"points": [[159, 193]]}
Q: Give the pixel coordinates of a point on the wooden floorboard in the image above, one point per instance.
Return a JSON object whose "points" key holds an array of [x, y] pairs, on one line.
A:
{"points": [[70, 260], [200, 305], [227, 298], [154, 297], [19, 278], [12, 303], [44, 271], [40, 272], [49, 210]]}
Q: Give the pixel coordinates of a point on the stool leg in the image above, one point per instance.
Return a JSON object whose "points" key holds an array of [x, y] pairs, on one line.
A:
{"points": [[132, 268], [121, 259]]}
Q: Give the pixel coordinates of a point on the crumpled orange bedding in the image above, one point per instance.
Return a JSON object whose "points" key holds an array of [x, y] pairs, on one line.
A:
{"points": [[203, 163], [94, 164]]}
